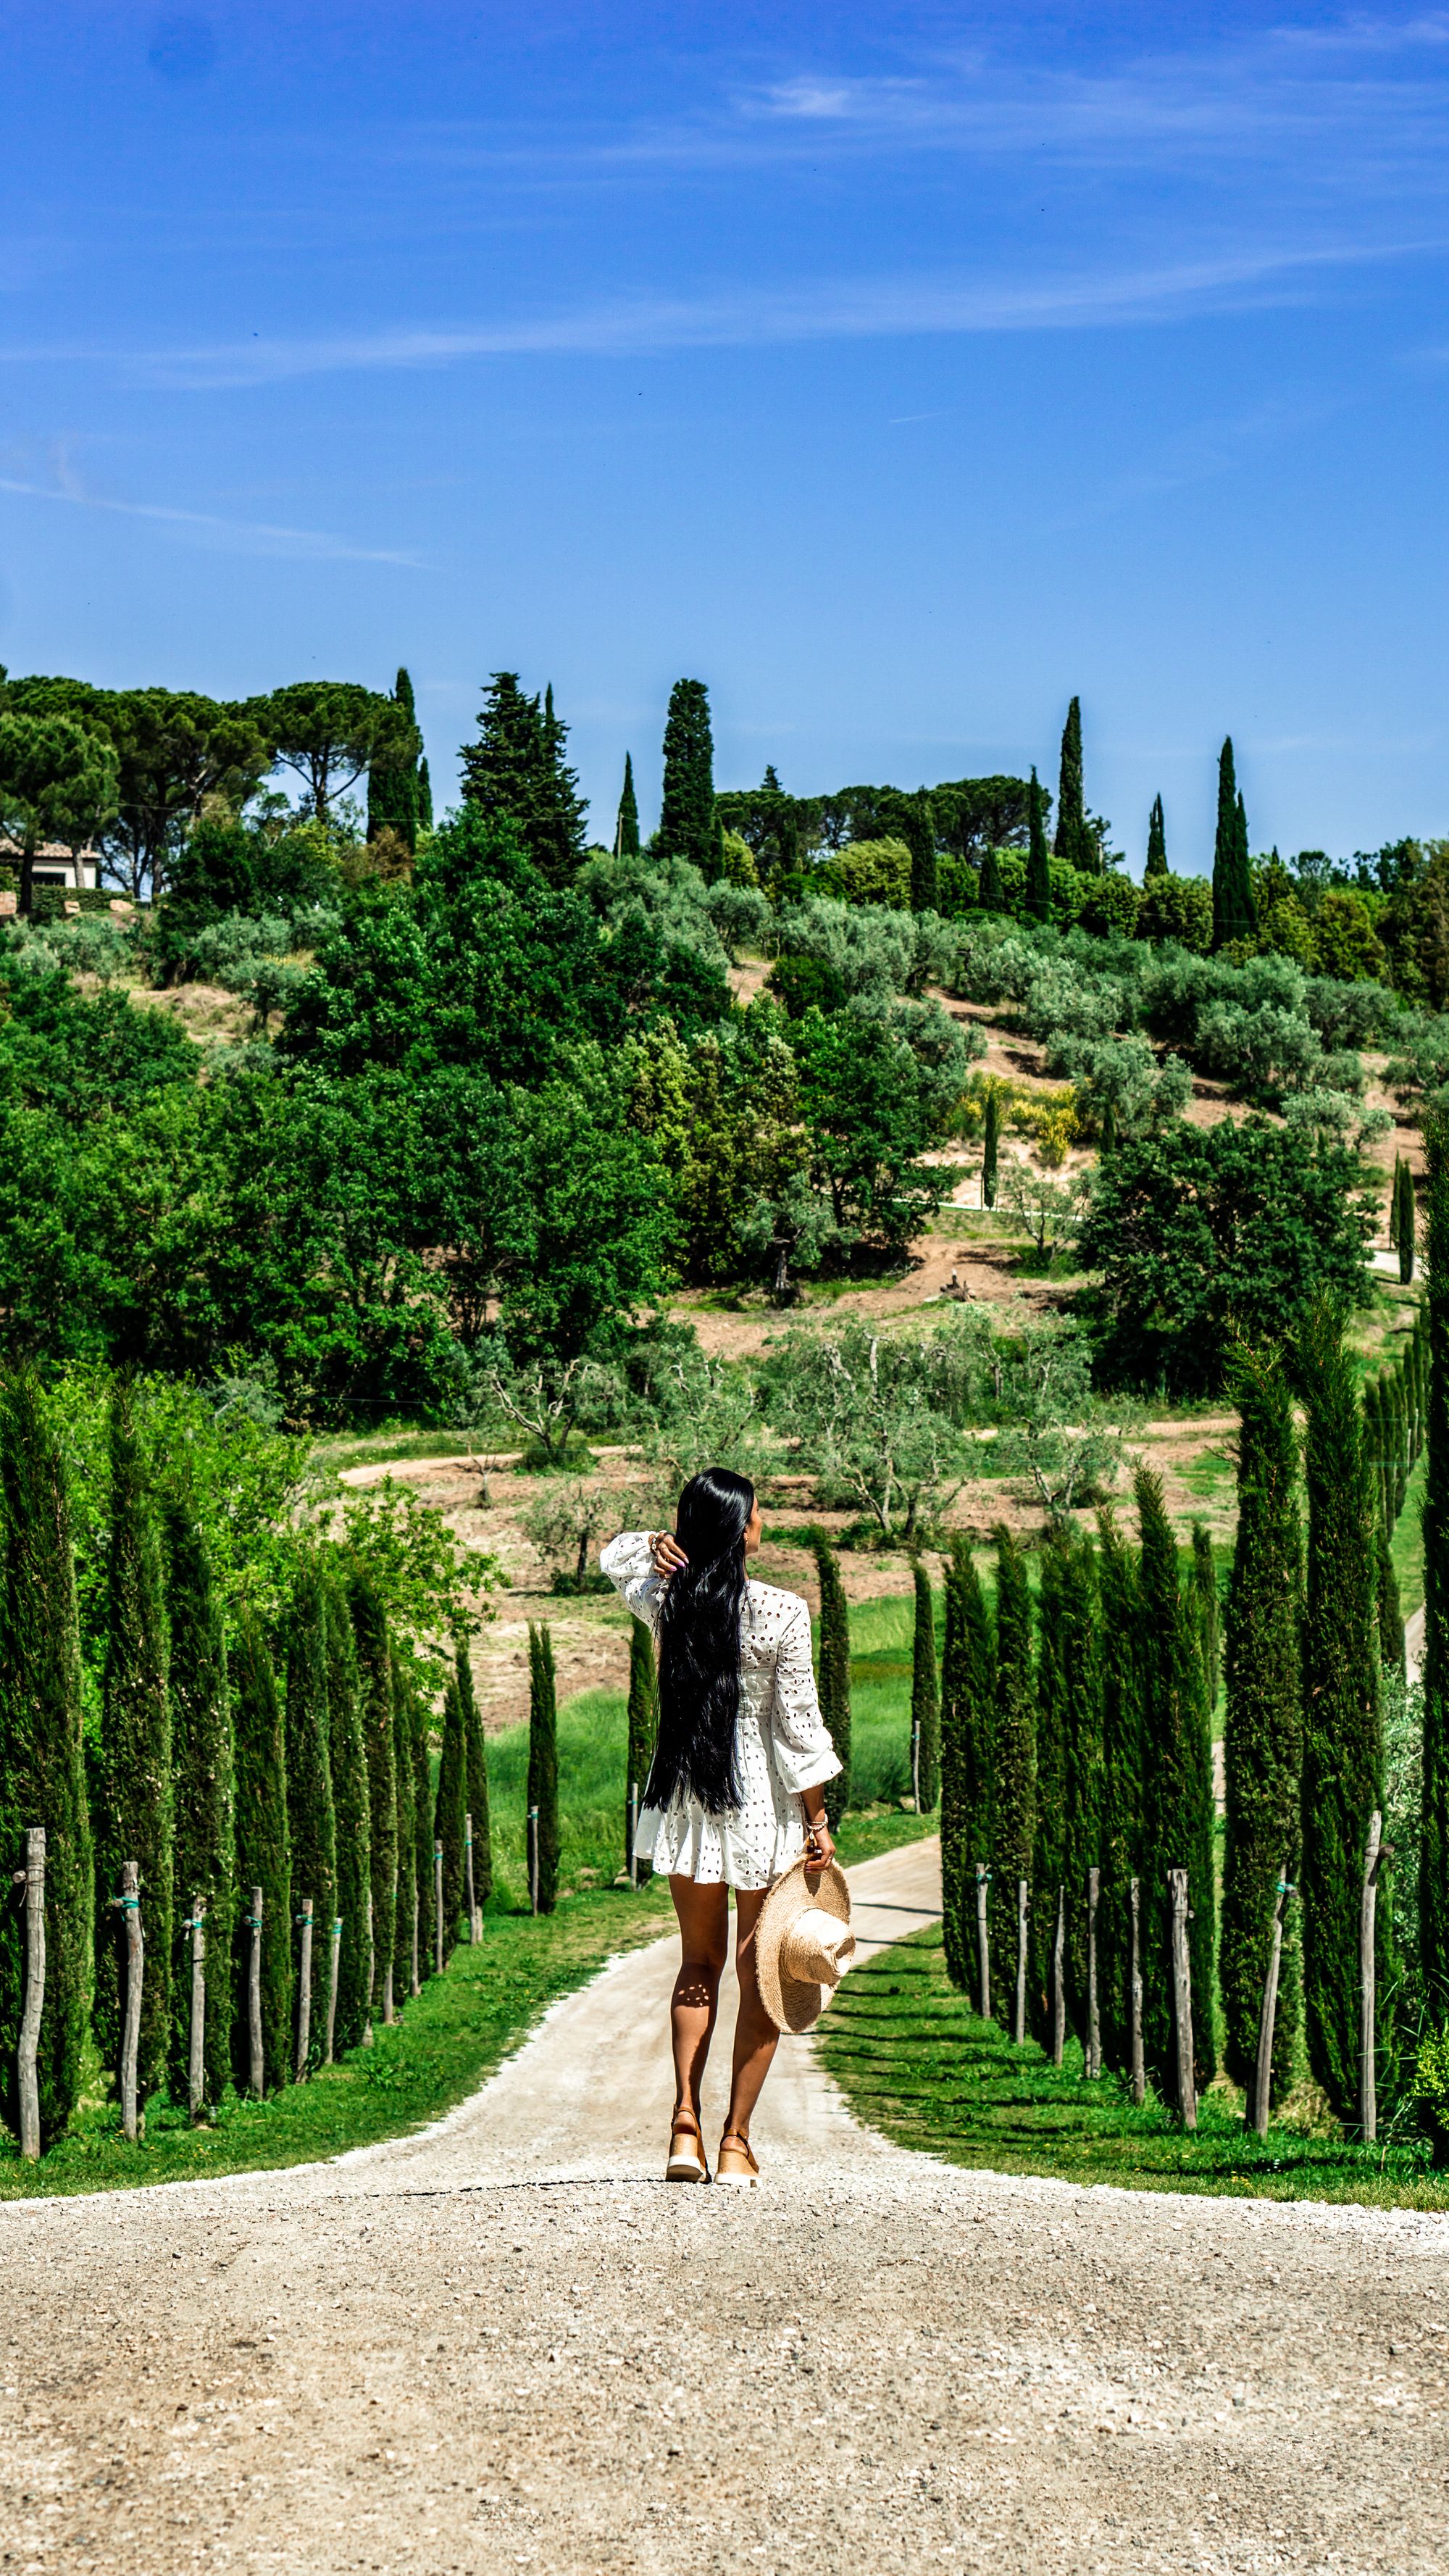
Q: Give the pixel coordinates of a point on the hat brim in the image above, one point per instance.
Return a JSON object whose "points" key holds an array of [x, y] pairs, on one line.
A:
{"points": [[795, 2004]]}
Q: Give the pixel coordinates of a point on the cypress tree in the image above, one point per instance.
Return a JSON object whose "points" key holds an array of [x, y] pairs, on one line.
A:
{"points": [[626, 829], [833, 1665], [1081, 1669], [543, 1761], [1234, 915], [1434, 1841], [133, 1806], [407, 1939], [263, 1857], [1123, 1765], [451, 1808], [1263, 1720], [352, 1815], [1107, 1137], [1178, 1794], [1394, 1203], [1037, 900], [1205, 1593], [925, 1692], [1156, 841], [392, 784], [643, 1719], [476, 1774], [423, 1833], [991, 1131], [1049, 1857], [966, 1761], [1073, 844], [425, 797], [203, 1771], [517, 773], [687, 820], [1400, 1419], [42, 1765], [1342, 1734], [310, 1813], [1375, 1443], [1386, 1598], [990, 892], [1013, 1821], [919, 834], [374, 1691], [1408, 1225]]}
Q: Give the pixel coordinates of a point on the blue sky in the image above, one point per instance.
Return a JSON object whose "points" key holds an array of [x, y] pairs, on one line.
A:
{"points": [[898, 371]]}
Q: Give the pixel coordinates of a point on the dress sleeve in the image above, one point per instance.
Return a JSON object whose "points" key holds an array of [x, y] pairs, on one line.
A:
{"points": [[630, 1568], [804, 1754]]}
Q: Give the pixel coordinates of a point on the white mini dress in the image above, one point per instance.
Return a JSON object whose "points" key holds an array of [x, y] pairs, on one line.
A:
{"points": [[780, 1738]]}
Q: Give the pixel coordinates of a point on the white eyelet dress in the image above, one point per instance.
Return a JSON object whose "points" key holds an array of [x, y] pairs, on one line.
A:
{"points": [[780, 1738]]}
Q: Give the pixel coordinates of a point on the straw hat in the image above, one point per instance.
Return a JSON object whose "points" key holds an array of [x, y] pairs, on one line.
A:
{"points": [[803, 1944]]}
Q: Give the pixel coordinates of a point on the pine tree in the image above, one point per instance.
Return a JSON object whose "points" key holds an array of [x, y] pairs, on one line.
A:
{"points": [[626, 829], [1205, 1593], [203, 1770], [1234, 915], [1408, 1226], [352, 1815], [643, 1721], [133, 1807], [42, 1765], [834, 1671], [991, 1130], [543, 1762], [263, 1858], [392, 784], [1263, 1721], [925, 1693], [1342, 1732], [517, 773], [990, 892], [1013, 1821], [1177, 1794], [310, 1813], [1156, 841], [450, 1809], [687, 819], [966, 1761], [1073, 845], [1434, 1842], [1123, 1769], [919, 834], [1037, 900], [423, 1837], [407, 1941], [374, 1690], [476, 1778]]}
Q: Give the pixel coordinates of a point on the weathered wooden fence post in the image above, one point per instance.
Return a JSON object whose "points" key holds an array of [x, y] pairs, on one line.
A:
{"points": [[130, 1905], [1263, 2070], [334, 1971], [1094, 2021], [304, 1990], [196, 2052], [258, 2068], [1182, 1999], [1139, 2061], [1059, 1983], [475, 1927], [1376, 1852], [32, 1879], [437, 1909], [533, 1857], [1018, 2028], [983, 1939]]}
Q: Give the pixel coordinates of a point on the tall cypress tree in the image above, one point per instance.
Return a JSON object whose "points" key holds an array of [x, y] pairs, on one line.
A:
{"points": [[425, 798], [451, 1808], [1073, 845], [263, 1857], [1037, 900], [476, 1773], [1013, 1820], [967, 1712], [423, 1837], [1123, 1786], [1205, 1594], [374, 1690], [990, 892], [1263, 1723], [133, 1808], [626, 829], [352, 1816], [991, 1131], [1407, 1228], [1234, 914], [1387, 1603], [42, 1767], [1156, 841], [1048, 1858], [203, 1770], [1081, 1663], [392, 781], [926, 1692], [406, 1929], [517, 773], [1342, 1731], [1178, 1794], [1434, 1841], [643, 1718], [1394, 1203], [833, 1664], [543, 1761], [919, 834], [688, 826], [310, 1813]]}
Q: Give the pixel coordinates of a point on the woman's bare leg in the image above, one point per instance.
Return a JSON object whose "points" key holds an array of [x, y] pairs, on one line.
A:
{"points": [[704, 1933], [756, 2037]]}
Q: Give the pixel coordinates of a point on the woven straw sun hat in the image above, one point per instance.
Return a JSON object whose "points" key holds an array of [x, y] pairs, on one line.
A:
{"points": [[803, 1945]]}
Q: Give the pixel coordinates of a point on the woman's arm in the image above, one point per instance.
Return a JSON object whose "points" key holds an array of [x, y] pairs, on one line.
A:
{"points": [[630, 1566]]}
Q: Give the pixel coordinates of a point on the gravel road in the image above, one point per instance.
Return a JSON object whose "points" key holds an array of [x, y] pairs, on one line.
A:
{"points": [[506, 2345]]}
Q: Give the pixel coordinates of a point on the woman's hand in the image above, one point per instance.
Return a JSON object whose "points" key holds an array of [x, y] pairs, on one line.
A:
{"points": [[667, 1553], [820, 1849]]}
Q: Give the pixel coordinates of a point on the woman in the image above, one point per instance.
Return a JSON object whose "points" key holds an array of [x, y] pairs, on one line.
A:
{"points": [[733, 1795]]}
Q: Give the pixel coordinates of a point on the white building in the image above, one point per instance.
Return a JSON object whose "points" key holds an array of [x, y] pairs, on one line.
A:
{"points": [[55, 865]]}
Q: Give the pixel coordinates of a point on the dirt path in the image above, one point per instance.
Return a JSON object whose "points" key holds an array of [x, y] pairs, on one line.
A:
{"points": [[506, 2345]]}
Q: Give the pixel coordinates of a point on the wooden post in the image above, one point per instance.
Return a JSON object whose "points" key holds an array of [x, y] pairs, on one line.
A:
{"points": [[254, 1996], [1182, 1999], [983, 1939], [1059, 1983], [633, 1834], [334, 1971], [1094, 2022], [1376, 1853], [1263, 2071], [417, 1983], [32, 1879], [1139, 2062], [304, 1991], [533, 1857], [196, 2053], [389, 2010], [437, 1909], [1018, 2028], [475, 1928], [130, 1904]]}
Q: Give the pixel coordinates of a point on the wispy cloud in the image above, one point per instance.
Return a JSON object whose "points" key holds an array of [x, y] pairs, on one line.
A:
{"points": [[227, 536]]}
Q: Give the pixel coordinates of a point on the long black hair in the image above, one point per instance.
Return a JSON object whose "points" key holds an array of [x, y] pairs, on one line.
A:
{"points": [[699, 1647]]}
